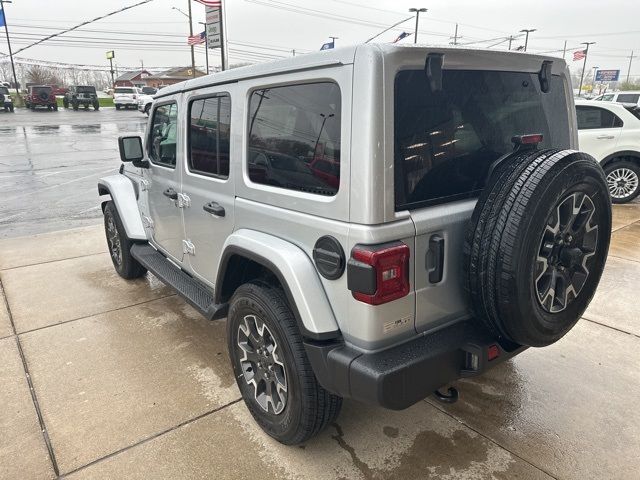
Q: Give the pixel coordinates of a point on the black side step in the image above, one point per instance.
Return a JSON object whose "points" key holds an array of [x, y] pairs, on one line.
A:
{"points": [[194, 292]]}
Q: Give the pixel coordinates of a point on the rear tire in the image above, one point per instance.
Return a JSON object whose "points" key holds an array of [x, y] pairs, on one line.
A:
{"points": [[260, 318], [623, 180], [542, 222], [120, 245], [117, 107]]}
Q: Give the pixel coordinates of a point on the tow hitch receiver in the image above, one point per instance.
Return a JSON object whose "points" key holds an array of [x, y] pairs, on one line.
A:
{"points": [[450, 397]]}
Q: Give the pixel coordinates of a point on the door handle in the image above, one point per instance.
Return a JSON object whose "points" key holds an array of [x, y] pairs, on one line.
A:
{"points": [[171, 193], [435, 259], [605, 137], [214, 209]]}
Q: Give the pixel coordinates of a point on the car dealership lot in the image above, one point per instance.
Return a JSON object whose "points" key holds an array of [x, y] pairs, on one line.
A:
{"points": [[129, 382], [50, 163]]}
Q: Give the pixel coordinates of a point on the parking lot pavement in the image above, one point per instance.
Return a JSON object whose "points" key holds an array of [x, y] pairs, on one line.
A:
{"points": [[129, 382], [50, 163]]}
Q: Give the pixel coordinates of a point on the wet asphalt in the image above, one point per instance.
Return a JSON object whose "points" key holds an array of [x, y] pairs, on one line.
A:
{"points": [[50, 163]]}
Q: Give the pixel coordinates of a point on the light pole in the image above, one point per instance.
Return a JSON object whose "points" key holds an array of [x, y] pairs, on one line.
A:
{"points": [[6, 30], [193, 55], [586, 53], [417, 11], [526, 39]]}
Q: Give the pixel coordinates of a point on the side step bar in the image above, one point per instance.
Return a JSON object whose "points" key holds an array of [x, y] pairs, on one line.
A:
{"points": [[194, 292]]}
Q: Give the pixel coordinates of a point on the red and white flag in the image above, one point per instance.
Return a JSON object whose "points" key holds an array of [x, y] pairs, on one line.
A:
{"points": [[579, 55], [196, 39], [210, 3]]}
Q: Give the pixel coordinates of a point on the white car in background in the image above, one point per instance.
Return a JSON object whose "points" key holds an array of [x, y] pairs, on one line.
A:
{"points": [[125, 97], [144, 103], [610, 132], [630, 96]]}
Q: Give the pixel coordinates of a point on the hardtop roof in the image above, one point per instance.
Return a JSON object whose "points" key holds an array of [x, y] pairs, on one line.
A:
{"points": [[454, 56]]}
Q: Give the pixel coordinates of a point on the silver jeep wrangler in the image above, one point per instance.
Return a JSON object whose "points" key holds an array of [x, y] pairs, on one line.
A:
{"points": [[374, 222]]}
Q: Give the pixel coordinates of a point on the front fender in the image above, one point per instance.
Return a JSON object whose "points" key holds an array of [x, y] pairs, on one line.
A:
{"points": [[124, 196], [296, 273]]}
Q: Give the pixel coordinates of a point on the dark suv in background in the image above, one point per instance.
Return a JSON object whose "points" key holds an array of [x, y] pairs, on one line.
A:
{"points": [[41, 96], [84, 95]]}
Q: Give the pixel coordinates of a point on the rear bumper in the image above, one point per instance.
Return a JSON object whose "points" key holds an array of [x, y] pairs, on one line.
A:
{"points": [[400, 376]]}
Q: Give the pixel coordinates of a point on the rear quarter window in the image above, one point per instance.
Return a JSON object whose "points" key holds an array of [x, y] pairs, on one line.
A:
{"points": [[595, 117], [294, 137]]}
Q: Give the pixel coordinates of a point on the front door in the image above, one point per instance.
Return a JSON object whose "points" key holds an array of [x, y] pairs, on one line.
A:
{"points": [[164, 180], [207, 185]]}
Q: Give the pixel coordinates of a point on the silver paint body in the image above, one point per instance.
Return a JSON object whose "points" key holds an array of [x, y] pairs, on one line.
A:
{"points": [[283, 225]]}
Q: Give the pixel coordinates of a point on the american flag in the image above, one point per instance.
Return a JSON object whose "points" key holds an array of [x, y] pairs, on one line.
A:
{"points": [[210, 3], [401, 36], [196, 39], [579, 55]]}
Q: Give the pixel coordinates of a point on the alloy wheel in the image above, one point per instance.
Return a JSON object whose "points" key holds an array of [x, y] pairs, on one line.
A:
{"points": [[261, 364], [115, 247], [622, 182], [570, 238]]}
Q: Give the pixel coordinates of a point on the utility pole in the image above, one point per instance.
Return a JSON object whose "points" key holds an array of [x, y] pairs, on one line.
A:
{"points": [[629, 69], [510, 41], [193, 55], [455, 36], [293, 52], [206, 45], [417, 11], [526, 39], [6, 30], [564, 50], [586, 52]]}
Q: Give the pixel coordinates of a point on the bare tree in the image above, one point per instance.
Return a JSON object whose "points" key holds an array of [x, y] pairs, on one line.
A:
{"points": [[40, 75]]}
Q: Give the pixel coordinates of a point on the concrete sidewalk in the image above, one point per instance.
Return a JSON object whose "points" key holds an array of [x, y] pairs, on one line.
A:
{"points": [[103, 378]]}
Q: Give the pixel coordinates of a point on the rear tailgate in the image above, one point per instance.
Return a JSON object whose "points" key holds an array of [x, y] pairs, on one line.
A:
{"points": [[445, 142]]}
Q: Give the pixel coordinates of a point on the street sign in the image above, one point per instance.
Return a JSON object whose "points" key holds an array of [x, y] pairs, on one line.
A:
{"points": [[607, 75], [214, 27], [111, 54]]}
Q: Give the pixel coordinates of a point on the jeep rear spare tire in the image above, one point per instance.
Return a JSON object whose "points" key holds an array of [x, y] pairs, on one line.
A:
{"points": [[537, 244]]}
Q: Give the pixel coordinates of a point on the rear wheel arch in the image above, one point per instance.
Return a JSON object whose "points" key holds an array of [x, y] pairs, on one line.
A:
{"points": [[628, 155], [239, 266]]}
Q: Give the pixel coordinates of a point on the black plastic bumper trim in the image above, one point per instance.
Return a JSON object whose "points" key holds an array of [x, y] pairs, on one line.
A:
{"points": [[400, 376]]}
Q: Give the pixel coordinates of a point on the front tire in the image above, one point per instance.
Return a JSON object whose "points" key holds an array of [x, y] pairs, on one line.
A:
{"points": [[120, 245], [623, 180], [117, 106], [271, 367]]}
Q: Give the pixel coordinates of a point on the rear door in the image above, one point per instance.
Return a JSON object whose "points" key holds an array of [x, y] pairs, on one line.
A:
{"points": [[163, 179], [445, 142], [598, 130], [207, 186]]}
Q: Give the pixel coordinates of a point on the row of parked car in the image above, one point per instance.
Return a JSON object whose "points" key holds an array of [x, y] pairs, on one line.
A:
{"points": [[85, 96]]}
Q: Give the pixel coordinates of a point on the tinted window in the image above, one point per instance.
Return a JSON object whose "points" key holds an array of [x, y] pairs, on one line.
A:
{"points": [[4, 91], [86, 89], [163, 136], [209, 137], [628, 97], [291, 129], [595, 117], [123, 90], [445, 141], [606, 98]]}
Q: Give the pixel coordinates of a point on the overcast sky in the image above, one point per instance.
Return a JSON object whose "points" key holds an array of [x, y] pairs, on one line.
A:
{"points": [[263, 29]]}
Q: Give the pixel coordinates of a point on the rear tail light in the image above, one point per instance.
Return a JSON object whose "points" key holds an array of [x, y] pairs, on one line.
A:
{"points": [[378, 274], [493, 352]]}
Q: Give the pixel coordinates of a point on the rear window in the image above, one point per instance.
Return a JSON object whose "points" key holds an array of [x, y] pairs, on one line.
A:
{"points": [[41, 89], [445, 141], [628, 97], [86, 89], [596, 117], [4, 90], [292, 130], [124, 90]]}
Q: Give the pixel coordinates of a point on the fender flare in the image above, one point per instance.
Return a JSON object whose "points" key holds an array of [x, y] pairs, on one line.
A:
{"points": [[296, 273], [121, 190]]}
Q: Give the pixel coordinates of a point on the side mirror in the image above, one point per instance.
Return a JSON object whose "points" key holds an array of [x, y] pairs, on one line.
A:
{"points": [[433, 70], [131, 150]]}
